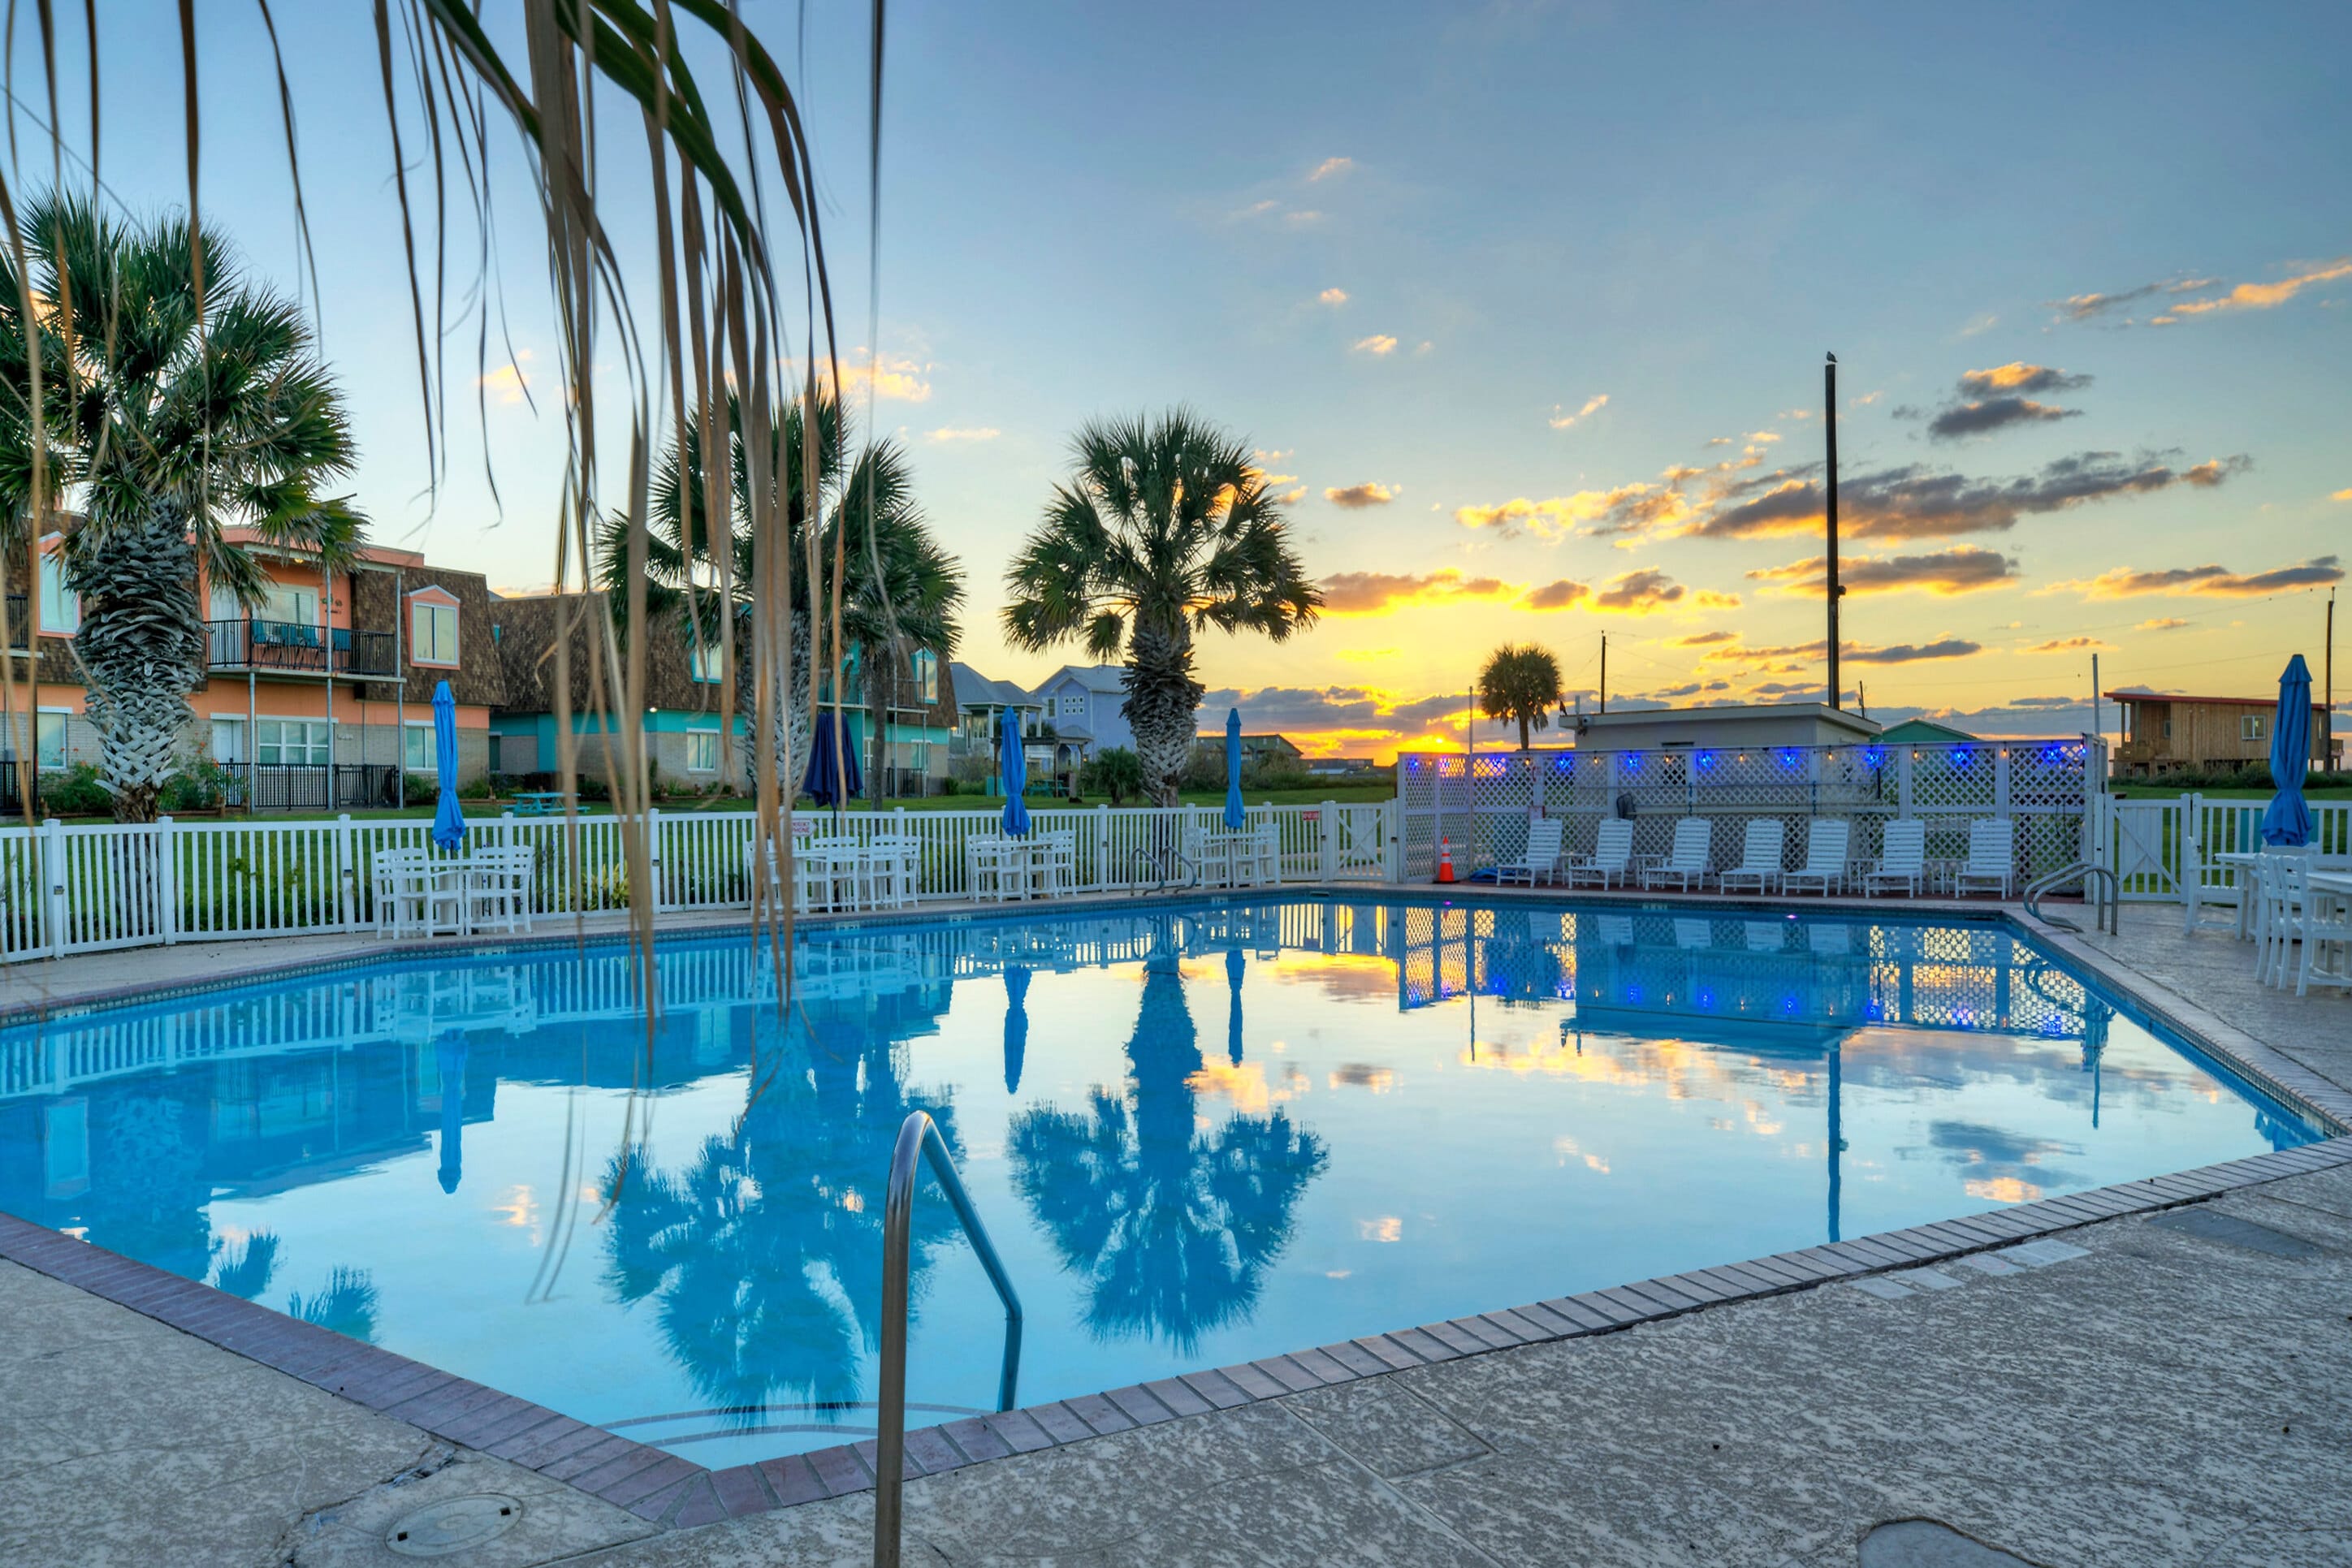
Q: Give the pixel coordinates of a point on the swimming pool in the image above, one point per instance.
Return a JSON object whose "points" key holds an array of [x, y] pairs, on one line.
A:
{"points": [[1198, 1136]]}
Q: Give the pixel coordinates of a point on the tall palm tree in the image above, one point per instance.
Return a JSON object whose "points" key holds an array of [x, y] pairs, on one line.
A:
{"points": [[1165, 529], [900, 590], [1519, 682], [178, 404]]}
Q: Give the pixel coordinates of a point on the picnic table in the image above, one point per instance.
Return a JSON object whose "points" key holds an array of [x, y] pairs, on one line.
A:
{"points": [[540, 802]]}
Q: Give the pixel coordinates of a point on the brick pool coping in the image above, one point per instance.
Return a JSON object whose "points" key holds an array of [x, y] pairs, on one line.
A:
{"points": [[676, 1492]]}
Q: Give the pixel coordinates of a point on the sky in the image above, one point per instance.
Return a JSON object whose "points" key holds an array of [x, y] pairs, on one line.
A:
{"points": [[1524, 305]]}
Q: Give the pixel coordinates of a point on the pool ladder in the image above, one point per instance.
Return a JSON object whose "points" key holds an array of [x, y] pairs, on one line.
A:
{"points": [[2099, 886], [1166, 865], [919, 1141]]}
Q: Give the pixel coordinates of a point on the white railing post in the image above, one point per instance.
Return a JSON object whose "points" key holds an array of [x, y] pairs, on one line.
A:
{"points": [[347, 871], [1327, 818], [53, 884], [1393, 830], [1902, 759], [2000, 781], [2192, 851], [167, 880], [1103, 868], [654, 856]]}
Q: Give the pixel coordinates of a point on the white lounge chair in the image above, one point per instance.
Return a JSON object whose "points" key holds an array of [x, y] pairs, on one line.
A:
{"points": [[1612, 857], [1902, 859], [1992, 857], [1760, 856], [1825, 851], [1686, 867], [1541, 858]]}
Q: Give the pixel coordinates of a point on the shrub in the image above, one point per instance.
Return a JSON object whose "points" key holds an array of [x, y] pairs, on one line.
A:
{"points": [[420, 790], [76, 792], [948, 786], [974, 767], [483, 788], [1283, 775], [201, 785], [1115, 772]]}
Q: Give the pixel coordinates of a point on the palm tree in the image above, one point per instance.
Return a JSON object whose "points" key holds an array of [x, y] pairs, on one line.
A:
{"points": [[174, 410], [1521, 682], [900, 590], [1165, 529]]}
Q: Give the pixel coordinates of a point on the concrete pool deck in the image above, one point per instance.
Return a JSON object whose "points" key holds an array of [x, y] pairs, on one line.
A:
{"points": [[2173, 1392]]}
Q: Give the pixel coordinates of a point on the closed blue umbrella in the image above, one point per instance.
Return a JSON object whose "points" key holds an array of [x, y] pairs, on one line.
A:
{"points": [[449, 1060], [448, 816], [1234, 964], [1016, 774], [832, 764], [2287, 821], [1017, 1024], [1236, 814]]}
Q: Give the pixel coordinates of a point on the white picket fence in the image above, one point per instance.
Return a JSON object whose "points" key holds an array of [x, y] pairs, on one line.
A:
{"points": [[89, 888], [2165, 851]]}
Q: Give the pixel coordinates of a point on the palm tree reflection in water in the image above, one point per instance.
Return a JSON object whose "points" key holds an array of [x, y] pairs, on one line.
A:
{"points": [[1173, 1229], [763, 1256]]}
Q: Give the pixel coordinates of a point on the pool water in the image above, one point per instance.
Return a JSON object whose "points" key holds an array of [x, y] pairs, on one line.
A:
{"points": [[1197, 1135]]}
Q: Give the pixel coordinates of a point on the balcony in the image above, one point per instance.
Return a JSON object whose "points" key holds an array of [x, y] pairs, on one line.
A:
{"points": [[19, 629], [291, 647]]}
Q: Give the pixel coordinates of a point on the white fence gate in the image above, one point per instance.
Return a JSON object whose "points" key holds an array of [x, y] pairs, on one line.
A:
{"points": [[89, 888], [1481, 803], [2165, 851]]}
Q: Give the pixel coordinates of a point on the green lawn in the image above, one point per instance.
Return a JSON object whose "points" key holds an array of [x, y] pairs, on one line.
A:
{"points": [[1345, 794], [2167, 792]]}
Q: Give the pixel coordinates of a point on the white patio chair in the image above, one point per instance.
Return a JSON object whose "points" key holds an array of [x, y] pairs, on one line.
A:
{"points": [[1760, 856], [984, 867], [498, 888], [1542, 857], [2281, 884], [1686, 867], [1992, 857], [2326, 938], [1612, 857], [400, 886], [1902, 859], [1825, 851], [1055, 860], [888, 870]]}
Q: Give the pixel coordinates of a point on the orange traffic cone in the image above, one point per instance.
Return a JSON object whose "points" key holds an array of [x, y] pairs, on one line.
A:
{"points": [[1445, 860]]}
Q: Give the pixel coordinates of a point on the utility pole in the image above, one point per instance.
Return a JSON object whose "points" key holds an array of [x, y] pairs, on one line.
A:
{"points": [[1837, 588], [2327, 718], [1604, 671], [2094, 716]]}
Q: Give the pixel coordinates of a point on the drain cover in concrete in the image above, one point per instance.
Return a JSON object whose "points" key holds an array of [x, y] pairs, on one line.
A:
{"points": [[2044, 1251], [1924, 1543], [454, 1525], [2215, 1226]]}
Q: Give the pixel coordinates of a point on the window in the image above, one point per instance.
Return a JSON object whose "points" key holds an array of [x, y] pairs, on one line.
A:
{"points": [[1052, 707], [708, 666], [229, 740], [432, 633], [290, 742], [918, 756], [927, 675], [49, 739], [1073, 706], [2250, 726], [416, 747], [702, 751], [294, 606], [60, 607]]}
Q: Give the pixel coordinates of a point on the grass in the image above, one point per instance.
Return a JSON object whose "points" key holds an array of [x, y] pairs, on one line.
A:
{"points": [[2129, 790], [1343, 794]]}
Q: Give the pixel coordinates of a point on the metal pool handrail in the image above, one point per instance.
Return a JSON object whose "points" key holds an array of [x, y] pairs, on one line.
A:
{"points": [[2105, 897], [919, 1140]]}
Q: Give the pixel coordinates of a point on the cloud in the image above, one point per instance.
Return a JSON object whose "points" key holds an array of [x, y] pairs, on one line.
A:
{"points": [[2087, 307], [1303, 217], [1964, 568], [1592, 405], [1866, 399], [2161, 624], [1629, 509], [1981, 324], [508, 382], [1292, 497], [1378, 343], [1332, 297], [1706, 639], [979, 433], [1915, 502], [1378, 592], [1340, 718], [1912, 653], [1989, 415], [2343, 495], [2020, 379], [2259, 296], [1641, 592], [895, 377], [1565, 594], [1330, 167], [1762, 437], [2073, 645], [2208, 581], [1708, 599], [1356, 497]]}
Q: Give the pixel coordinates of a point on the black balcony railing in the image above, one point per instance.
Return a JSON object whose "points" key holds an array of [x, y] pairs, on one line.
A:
{"points": [[296, 646], [20, 629]]}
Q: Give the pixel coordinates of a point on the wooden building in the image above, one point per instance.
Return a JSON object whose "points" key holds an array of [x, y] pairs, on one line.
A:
{"points": [[2167, 733]]}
